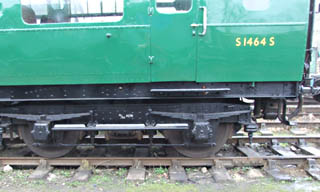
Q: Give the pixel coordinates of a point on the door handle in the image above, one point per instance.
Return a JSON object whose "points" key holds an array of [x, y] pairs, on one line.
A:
{"points": [[194, 25], [205, 20]]}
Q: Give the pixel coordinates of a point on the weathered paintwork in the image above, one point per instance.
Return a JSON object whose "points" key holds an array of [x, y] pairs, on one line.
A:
{"points": [[80, 53]]}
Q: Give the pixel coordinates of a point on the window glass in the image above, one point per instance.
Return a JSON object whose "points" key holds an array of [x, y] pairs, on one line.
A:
{"points": [[71, 11], [256, 5], [173, 6]]}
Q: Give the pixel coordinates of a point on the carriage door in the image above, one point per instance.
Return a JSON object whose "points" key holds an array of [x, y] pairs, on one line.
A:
{"points": [[251, 40], [173, 40]]}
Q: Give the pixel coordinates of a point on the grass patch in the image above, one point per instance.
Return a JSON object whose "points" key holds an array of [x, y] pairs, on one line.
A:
{"points": [[190, 170], [74, 183], [121, 172], [284, 144], [64, 173], [160, 170], [100, 179], [162, 187]]}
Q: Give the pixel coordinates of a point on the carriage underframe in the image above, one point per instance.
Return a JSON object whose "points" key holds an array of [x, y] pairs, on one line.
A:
{"points": [[196, 119]]}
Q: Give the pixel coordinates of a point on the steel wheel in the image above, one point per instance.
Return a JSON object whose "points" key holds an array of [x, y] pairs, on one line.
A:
{"points": [[68, 137], [222, 134]]}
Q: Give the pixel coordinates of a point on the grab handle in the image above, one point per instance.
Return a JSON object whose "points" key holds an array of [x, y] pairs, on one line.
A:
{"points": [[205, 20]]}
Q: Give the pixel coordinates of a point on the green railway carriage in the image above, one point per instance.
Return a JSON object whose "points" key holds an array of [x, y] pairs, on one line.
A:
{"points": [[244, 41], [134, 67]]}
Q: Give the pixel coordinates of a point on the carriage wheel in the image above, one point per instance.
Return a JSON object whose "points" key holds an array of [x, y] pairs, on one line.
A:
{"points": [[66, 137], [223, 132]]}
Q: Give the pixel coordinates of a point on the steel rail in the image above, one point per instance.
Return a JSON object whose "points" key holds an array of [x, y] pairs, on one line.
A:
{"points": [[167, 161], [280, 139]]}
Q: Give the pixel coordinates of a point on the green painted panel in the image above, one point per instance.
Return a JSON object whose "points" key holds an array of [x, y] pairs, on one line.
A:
{"points": [[80, 53], [75, 53], [173, 45], [221, 60]]}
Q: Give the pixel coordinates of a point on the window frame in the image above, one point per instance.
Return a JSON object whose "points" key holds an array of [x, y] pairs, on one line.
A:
{"points": [[175, 13], [70, 23]]}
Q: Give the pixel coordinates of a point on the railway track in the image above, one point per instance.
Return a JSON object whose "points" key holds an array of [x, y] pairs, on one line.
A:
{"points": [[306, 101], [271, 153]]}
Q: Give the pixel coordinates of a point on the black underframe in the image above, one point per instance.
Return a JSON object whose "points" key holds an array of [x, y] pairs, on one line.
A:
{"points": [[109, 112], [144, 91], [202, 105]]}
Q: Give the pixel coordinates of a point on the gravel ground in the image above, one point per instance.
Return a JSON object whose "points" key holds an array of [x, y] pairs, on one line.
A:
{"points": [[113, 180]]}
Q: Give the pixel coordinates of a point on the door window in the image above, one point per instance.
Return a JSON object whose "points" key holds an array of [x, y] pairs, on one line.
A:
{"points": [[174, 6], [71, 11], [254, 5]]}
